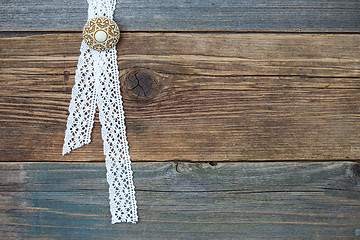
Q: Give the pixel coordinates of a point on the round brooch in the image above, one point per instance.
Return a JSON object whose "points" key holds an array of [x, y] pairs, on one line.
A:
{"points": [[101, 33]]}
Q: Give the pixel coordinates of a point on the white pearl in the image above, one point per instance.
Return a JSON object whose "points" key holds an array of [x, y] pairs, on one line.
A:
{"points": [[100, 36]]}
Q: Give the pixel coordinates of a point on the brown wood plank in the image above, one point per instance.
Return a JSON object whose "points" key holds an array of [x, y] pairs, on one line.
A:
{"points": [[209, 97], [184, 201], [235, 15]]}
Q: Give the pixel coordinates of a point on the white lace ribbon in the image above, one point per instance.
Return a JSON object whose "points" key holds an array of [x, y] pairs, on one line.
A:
{"points": [[97, 85]]}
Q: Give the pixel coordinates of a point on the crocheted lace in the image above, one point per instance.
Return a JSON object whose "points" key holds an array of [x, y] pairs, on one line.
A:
{"points": [[97, 85]]}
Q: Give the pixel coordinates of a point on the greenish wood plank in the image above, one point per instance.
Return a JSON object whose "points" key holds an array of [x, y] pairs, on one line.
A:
{"points": [[184, 201], [179, 15]]}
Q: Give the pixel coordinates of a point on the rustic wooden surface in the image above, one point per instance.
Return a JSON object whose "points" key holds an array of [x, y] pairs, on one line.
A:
{"points": [[184, 201], [178, 15], [213, 97], [215, 83]]}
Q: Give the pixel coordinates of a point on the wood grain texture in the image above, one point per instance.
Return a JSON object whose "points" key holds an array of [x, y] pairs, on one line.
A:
{"points": [[178, 15], [184, 201], [217, 97]]}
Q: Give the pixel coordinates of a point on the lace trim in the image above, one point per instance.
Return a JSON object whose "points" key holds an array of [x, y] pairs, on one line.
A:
{"points": [[97, 85]]}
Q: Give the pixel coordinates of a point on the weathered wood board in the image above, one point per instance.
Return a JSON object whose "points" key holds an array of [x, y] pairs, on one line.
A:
{"points": [[175, 15], [184, 201], [214, 83], [209, 97]]}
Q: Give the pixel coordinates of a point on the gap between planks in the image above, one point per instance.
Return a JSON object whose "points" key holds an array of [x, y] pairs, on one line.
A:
{"points": [[212, 163], [10, 34]]}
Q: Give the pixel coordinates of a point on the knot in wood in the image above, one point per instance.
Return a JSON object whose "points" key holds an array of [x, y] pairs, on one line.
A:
{"points": [[141, 84]]}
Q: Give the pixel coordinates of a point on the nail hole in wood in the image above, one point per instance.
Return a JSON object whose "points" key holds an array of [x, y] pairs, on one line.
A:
{"points": [[212, 163], [66, 76]]}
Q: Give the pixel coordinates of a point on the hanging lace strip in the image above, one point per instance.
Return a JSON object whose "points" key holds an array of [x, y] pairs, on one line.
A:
{"points": [[97, 85]]}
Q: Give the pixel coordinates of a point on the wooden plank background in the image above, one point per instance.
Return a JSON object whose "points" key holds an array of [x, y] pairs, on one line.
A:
{"points": [[180, 15], [228, 97], [242, 119], [184, 201]]}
